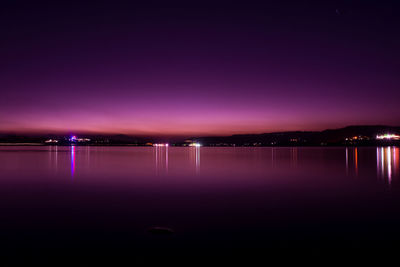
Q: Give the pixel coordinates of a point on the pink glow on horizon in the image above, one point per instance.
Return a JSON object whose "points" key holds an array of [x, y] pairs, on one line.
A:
{"points": [[220, 72], [181, 117]]}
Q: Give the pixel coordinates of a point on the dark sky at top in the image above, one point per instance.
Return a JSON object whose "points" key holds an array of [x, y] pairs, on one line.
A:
{"points": [[198, 69]]}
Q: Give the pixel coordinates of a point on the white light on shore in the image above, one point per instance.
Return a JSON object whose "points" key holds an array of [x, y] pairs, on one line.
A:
{"points": [[195, 144], [51, 141], [388, 137], [160, 145]]}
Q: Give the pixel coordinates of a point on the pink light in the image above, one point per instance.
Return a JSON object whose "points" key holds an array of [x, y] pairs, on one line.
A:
{"points": [[72, 160]]}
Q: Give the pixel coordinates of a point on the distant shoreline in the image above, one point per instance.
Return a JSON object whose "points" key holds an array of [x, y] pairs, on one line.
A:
{"points": [[349, 136], [219, 146]]}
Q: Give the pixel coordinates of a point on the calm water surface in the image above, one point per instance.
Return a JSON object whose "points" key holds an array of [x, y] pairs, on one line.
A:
{"points": [[99, 202]]}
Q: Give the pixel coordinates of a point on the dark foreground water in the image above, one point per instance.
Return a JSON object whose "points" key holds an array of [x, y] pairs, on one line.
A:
{"points": [[83, 206]]}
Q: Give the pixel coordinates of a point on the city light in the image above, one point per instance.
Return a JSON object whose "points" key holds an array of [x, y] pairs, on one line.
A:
{"points": [[195, 144], [50, 141], [387, 162], [75, 139], [158, 145], [388, 137]]}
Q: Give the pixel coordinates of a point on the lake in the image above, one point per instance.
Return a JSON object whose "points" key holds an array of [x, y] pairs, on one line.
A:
{"points": [[91, 204]]}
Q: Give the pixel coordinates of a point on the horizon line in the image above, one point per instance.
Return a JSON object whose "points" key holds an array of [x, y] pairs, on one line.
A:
{"points": [[152, 134]]}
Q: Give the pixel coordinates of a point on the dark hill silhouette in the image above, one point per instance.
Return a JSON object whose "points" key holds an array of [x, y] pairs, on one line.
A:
{"points": [[330, 136]]}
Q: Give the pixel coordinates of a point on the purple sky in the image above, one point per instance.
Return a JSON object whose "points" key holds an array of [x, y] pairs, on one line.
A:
{"points": [[119, 68]]}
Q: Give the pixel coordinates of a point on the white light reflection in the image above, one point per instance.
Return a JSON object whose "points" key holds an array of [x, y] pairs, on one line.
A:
{"points": [[53, 158], [382, 163], [272, 156], [387, 163], [166, 158], [377, 162], [293, 156], [197, 159], [161, 159], [56, 157], [194, 157], [347, 161]]}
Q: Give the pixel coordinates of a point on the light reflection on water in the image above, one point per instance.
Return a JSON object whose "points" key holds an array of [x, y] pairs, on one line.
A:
{"points": [[161, 160], [352, 161], [387, 160], [387, 163], [135, 163], [161, 156], [347, 161], [293, 156], [72, 161], [277, 195], [196, 151]]}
